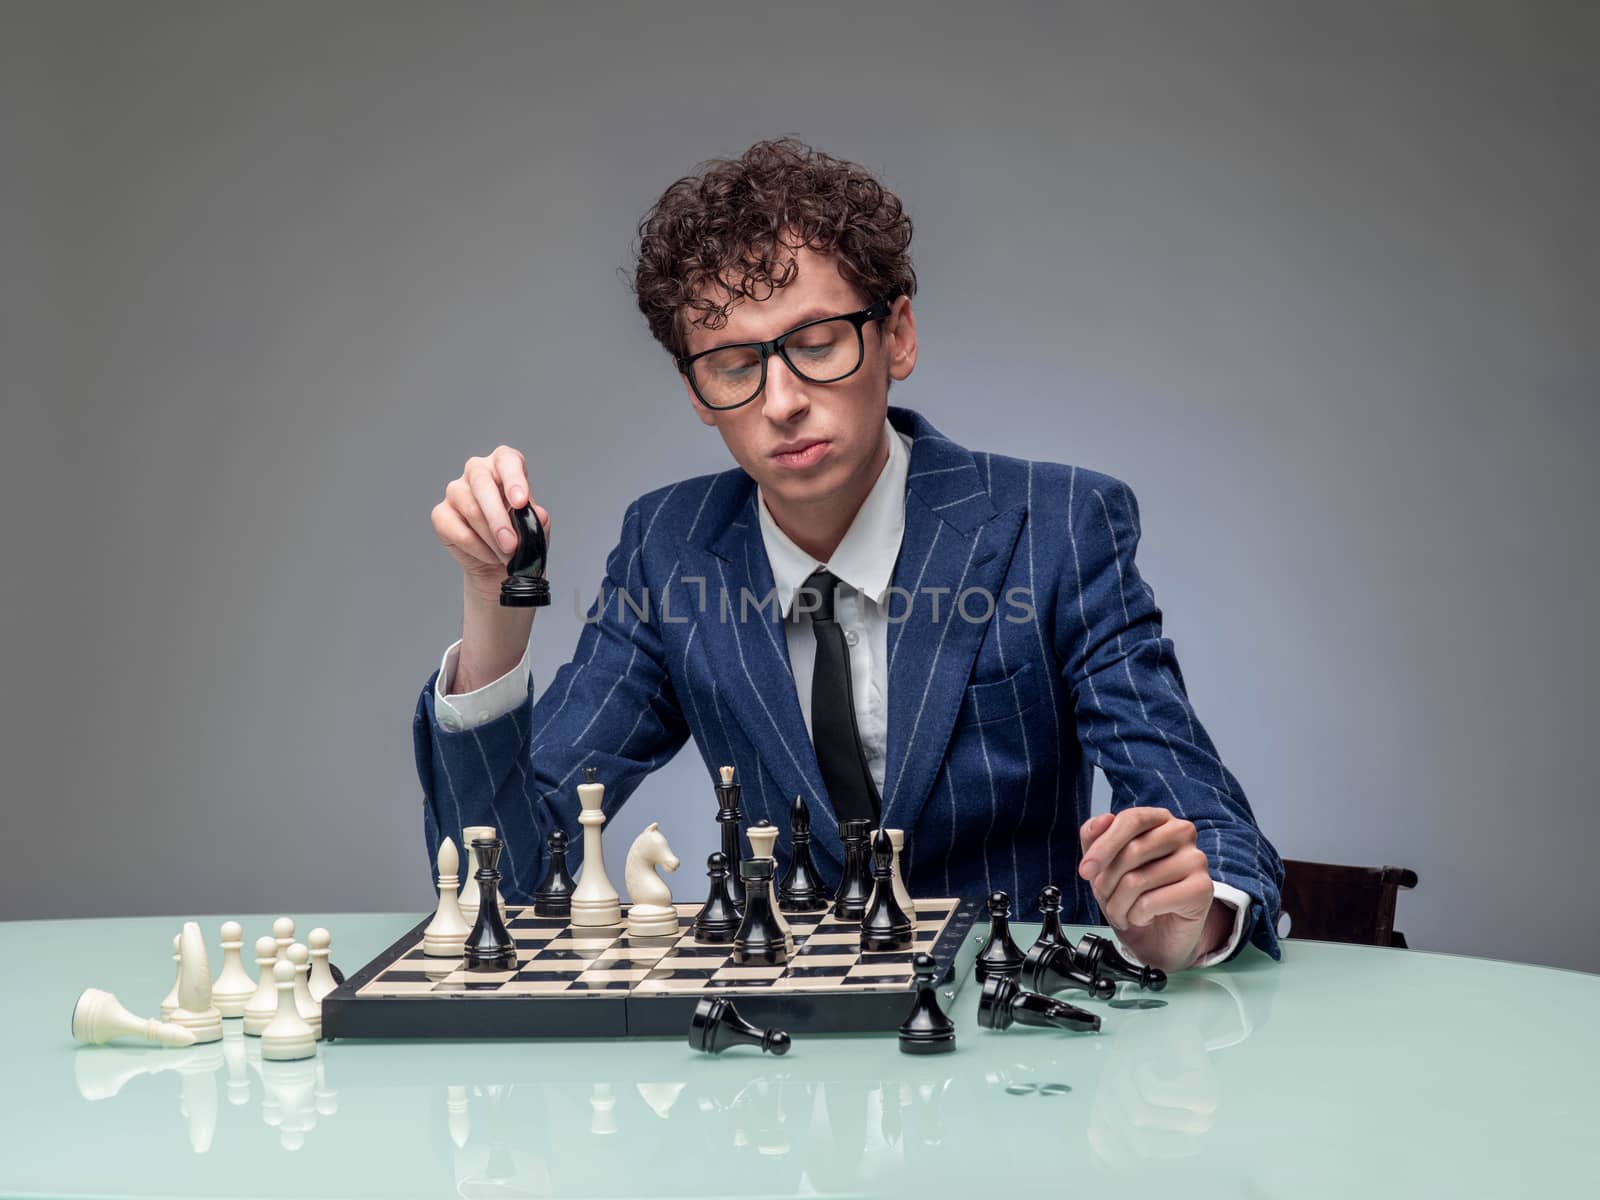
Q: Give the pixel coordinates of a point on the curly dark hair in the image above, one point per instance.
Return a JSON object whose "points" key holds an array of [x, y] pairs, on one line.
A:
{"points": [[723, 229]]}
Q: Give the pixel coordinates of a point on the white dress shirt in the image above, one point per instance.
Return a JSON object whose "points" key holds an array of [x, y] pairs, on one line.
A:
{"points": [[864, 563]]}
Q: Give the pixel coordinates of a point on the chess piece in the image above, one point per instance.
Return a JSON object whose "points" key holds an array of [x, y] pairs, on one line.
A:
{"points": [[594, 901], [525, 585], [323, 979], [310, 1010], [762, 835], [716, 1025], [469, 884], [650, 910], [283, 934], [489, 945], [234, 987], [446, 934], [927, 1030], [195, 1012], [287, 1036], [718, 920], [554, 896], [728, 818], [1004, 1003], [759, 939], [855, 885], [1050, 932], [1050, 969], [802, 889], [259, 1010], [98, 1017], [885, 928], [897, 841], [170, 1004], [999, 954], [1098, 956]]}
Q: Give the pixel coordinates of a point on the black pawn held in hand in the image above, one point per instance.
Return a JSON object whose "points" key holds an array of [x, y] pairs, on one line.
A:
{"points": [[884, 927], [716, 1025], [1000, 955], [855, 887], [489, 945], [1098, 956], [554, 896], [525, 585], [1050, 932], [927, 1030], [718, 920], [760, 939], [801, 889], [1052, 969], [1004, 1004]]}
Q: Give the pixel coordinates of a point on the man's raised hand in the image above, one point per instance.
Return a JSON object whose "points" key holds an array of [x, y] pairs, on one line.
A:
{"points": [[473, 521]]}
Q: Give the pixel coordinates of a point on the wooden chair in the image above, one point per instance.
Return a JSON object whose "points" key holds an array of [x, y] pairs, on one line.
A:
{"points": [[1331, 903]]}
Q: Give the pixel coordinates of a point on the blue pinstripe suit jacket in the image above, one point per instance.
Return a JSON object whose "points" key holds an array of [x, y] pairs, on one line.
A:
{"points": [[996, 718]]}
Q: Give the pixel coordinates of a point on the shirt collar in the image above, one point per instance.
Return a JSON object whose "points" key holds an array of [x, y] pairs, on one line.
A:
{"points": [[865, 557]]}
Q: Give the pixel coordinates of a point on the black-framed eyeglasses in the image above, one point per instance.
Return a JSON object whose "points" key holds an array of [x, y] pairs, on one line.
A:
{"points": [[822, 351]]}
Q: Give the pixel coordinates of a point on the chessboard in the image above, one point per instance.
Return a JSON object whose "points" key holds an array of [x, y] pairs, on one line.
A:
{"points": [[599, 982]]}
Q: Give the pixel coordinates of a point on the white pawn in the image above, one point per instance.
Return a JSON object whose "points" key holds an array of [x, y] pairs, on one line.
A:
{"points": [[595, 903], [650, 911], [170, 1004], [446, 934], [762, 835], [98, 1017], [195, 1012], [283, 934], [322, 981], [310, 1010], [234, 987], [469, 885], [287, 1036], [897, 841], [261, 1007]]}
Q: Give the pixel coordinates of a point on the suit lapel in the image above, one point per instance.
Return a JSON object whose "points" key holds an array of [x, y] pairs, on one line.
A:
{"points": [[749, 658], [955, 540]]}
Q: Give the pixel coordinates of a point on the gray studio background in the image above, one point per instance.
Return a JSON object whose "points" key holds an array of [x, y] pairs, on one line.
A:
{"points": [[1318, 280]]}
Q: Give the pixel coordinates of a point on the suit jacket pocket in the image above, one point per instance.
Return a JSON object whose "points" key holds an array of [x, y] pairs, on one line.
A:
{"points": [[991, 701]]}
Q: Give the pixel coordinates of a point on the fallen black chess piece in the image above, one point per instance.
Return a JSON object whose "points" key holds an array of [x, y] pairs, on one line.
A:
{"points": [[1004, 1003], [716, 1025]]}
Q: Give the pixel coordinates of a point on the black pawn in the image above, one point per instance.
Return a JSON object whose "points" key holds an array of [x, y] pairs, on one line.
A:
{"points": [[1004, 1004], [1098, 956], [1050, 933], [801, 889], [716, 1025], [489, 945], [718, 920], [1000, 955], [1052, 969], [554, 896], [759, 940], [885, 928], [927, 1030], [855, 886], [728, 817]]}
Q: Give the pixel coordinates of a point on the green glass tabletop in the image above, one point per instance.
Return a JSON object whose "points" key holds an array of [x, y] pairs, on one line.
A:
{"points": [[1341, 1071]]}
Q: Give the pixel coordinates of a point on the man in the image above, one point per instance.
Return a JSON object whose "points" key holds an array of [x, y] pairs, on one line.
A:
{"points": [[861, 612]]}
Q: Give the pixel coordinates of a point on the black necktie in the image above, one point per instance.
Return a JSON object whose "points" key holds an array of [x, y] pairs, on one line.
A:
{"points": [[843, 760]]}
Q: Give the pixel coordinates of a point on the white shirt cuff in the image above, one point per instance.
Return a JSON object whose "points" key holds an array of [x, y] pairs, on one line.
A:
{"points": [[1228, 894], [468, 710]]}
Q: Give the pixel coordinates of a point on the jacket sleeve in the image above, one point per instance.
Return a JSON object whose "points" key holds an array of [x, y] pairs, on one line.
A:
{"points": [[611, 707], [1133, 713]]}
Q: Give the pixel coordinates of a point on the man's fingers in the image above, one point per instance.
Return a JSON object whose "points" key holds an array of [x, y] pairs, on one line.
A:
{"points": [[513, 473], [456, 534], [1127, 825], [1189, 898], [1121, 896], [491, 501], [1091, 829], [1170, 837]]}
